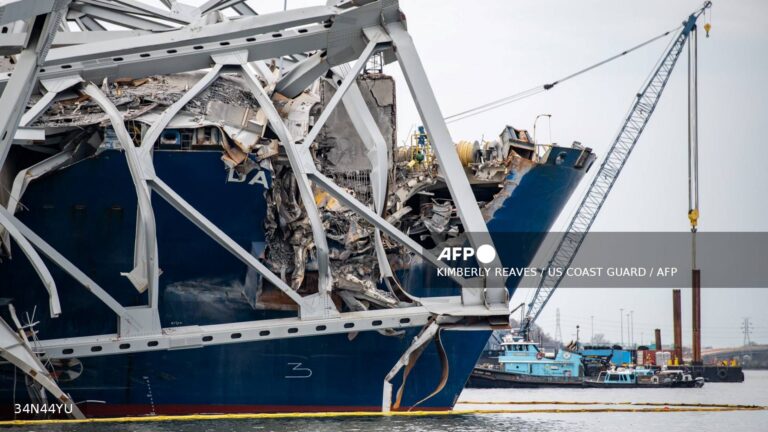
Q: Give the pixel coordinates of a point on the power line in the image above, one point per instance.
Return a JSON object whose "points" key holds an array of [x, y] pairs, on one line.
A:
{"points": [[544, 87]]}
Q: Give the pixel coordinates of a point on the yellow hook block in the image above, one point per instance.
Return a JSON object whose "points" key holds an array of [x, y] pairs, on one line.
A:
{"points": [[693, 216]]}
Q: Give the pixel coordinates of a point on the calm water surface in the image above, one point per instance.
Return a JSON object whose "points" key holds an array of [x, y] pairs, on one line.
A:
{"points": [[754, 391]]}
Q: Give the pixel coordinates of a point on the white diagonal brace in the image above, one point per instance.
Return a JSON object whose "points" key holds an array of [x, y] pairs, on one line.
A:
{"points": [[54, 87], [16, 92], [154, 131], [23, 178], [67, 266], [377, 221], [243, 9], [215, 5], [448, 160], [302, 75], [348, 80], [167, 193], [121, 19], [377, 153], [37, 109], [12, 104], [139, 7], [141, 169], [85, 22], [299, 165], [36, 261], [197, 218]]}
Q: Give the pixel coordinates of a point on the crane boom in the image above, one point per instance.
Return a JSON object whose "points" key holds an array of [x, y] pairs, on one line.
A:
{"points": [[639, 114]]}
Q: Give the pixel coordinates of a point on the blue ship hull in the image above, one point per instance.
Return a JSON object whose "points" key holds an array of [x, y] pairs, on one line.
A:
{"points": [[93, 223]]}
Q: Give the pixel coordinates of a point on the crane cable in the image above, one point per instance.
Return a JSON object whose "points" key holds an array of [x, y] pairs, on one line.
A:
{"points": [[544, 87]]}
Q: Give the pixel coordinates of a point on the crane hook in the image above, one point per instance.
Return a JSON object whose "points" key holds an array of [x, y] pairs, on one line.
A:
{"points": [[707, 27]]}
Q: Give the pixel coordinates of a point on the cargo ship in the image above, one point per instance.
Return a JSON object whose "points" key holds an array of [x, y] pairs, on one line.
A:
{"points": [[234, 235]]}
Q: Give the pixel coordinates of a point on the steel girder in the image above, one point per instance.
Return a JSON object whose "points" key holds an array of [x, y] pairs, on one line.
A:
{"points": [[174, 13], [216, 5], [14, 99], [495, 293], [354, 34], [377, 153], [141, 169], [88, 14], [13, 43], [318, 39], [191, 48], [22, 10], [299, 165], [89, 284], [194, 336], [15, 349], [21, 81]]}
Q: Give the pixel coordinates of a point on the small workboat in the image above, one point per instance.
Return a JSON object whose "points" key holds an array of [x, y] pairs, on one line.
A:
{"points": [[646, 378], [677, 378], [613, 379]]}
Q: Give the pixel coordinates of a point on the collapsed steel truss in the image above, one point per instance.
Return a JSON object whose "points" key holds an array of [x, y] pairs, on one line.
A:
{"points": [[51, 58]]}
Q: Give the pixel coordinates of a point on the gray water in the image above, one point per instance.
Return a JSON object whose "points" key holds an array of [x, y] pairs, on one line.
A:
{"points": [[754, 391]]}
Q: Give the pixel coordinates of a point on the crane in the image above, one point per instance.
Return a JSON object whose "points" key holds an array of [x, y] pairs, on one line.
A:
{"points": [[639, 114]]}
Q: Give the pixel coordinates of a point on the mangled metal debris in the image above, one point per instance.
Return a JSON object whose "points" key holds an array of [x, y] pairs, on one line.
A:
{"points": [[226, 117]]}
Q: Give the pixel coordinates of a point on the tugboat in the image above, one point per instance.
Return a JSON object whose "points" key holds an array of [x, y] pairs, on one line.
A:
{"points": [[523, 365]]}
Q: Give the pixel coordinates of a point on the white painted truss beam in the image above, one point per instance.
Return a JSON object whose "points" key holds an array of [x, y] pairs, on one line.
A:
{"points": [[468, 211], [233, 333]]}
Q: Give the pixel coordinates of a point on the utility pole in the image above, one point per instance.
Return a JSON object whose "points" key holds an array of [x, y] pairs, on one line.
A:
{"points": [[592, 329], [629, 341], [746, 328], [632, 327], [577, 335], [621, 325], [558, 331]]}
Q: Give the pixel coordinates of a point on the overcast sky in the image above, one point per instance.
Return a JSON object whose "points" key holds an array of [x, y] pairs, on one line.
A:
{"points": [[478, 51]]}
